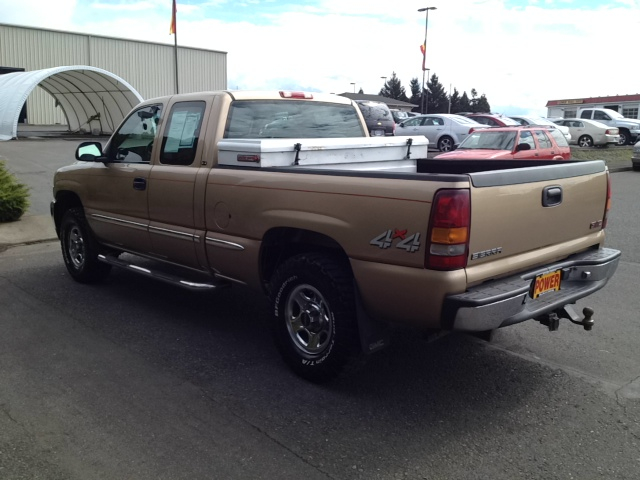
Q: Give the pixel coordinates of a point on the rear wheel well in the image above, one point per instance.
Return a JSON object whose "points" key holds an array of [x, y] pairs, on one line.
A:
{"points": [[64, 201], [279, 244]]}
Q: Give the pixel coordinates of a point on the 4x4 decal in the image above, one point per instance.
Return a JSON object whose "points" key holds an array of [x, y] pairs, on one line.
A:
{"points": [[386, 239]]}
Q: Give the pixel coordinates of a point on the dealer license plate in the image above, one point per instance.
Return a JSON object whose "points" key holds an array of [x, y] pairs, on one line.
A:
{"points": [[377, 133], [546, 282]]}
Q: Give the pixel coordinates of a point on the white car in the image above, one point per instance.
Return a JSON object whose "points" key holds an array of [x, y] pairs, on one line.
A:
{"points": [[444, 130], [533, 120], [587, 133]]}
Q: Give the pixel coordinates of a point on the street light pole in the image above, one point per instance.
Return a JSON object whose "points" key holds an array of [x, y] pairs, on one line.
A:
{"points": [[424, 53], [354, 87]]}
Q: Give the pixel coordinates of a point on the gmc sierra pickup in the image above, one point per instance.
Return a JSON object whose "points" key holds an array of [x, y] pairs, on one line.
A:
{"points": [[285, 192]]}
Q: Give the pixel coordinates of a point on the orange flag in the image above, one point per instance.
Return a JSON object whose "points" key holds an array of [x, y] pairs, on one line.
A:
{"points": [[172, 29], [423, 49]]}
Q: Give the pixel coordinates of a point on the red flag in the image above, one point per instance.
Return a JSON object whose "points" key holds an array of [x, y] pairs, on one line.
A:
{"points": [[423, 49], [172, 29]]}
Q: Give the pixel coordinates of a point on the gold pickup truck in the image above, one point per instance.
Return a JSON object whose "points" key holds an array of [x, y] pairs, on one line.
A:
{"points": [[285, 192]]}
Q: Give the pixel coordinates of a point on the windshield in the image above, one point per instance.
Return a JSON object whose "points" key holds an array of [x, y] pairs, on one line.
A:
{"points": [[541, 121], [509, 121], [291, 119], [489, 140], [461, 119], [614, 114]]}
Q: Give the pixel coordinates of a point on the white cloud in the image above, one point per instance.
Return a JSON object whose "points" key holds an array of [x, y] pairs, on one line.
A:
{"points": [[519, 58]]}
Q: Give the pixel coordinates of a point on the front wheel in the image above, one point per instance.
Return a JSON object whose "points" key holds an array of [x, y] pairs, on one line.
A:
{"points": [[585, 141], [445, 144], [80, 249], [314, 315]]}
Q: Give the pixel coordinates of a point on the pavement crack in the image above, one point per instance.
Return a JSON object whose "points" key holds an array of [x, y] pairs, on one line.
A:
{"points": [[267, 434], [5, 410]]}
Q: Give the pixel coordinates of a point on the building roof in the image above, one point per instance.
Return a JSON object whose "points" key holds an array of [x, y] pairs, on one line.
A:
{"points": [[588, 100], [391, 102]]}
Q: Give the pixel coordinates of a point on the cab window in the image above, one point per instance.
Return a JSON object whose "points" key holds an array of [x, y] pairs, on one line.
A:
{"points": [[527, 137], [133, 142], [180, 139]]}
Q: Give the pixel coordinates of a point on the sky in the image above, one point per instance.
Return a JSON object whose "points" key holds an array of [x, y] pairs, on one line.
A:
{"points": [[520, 54]]}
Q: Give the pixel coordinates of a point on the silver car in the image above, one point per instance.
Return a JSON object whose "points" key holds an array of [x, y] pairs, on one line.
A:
{"points": [[444, 130], [587, 133], [635, 157], [533, 120]]}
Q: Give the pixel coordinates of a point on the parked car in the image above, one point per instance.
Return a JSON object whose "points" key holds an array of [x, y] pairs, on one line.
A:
{"points": [[443, 130], [628, 128], [635, 157], [378, 117], [492, 119], [512, 143], [587, 133], [533, 120], [399, 115]]}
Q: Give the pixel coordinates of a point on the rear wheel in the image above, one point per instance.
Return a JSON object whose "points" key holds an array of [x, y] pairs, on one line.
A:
{"points": [[80, 249], [314, 322], [445, 144], [624, 137], [585, 141]]}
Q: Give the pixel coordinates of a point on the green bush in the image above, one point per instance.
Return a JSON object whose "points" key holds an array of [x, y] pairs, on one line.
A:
{"points": [[14, 196]]}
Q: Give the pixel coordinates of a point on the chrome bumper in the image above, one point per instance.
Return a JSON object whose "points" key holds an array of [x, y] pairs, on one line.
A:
{"points": [[508, 301]]}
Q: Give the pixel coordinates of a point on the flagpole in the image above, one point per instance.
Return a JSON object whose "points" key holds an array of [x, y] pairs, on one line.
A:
{"points": [[175, 55], [174, 30]]}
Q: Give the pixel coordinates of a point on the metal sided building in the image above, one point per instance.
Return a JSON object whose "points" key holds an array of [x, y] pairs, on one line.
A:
{"points": [[627, 105], [147, 67]]}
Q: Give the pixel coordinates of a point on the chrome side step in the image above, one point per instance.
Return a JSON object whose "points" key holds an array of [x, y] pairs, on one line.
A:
{"points": [[164, 276]]}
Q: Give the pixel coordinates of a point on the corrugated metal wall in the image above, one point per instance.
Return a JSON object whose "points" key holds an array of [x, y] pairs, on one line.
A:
{"points": [[147, 67]]}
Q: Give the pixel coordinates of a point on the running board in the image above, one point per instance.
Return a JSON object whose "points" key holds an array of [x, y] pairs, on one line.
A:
{"points": [[163, 276]]}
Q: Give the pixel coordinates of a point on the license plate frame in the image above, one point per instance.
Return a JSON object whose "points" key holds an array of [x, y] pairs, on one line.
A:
{"points": [[546, 283], [377, 132]]}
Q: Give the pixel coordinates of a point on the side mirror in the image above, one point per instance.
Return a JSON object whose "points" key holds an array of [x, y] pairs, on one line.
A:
{"points": [[89, 152], [522, 147]]}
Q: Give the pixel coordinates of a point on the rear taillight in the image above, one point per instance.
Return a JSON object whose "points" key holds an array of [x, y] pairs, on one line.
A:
{"points": [[471, 130], [448, 236], [285, 94], [607, 206]]}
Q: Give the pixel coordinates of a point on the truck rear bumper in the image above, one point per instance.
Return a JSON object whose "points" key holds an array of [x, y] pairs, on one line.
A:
{"points": [[509, 301]]}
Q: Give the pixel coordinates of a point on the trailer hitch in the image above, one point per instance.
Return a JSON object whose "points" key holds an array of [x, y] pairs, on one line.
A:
{"points": [[552, 320]]}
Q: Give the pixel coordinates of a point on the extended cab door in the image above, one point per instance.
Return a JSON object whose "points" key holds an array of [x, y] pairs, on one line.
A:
{"points": [[115, 197], [172, 184]]}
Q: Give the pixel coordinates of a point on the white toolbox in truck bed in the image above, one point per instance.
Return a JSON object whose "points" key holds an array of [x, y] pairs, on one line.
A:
{"points": [[354, 153]]}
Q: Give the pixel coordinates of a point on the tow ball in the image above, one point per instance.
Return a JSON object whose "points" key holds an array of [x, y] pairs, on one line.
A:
{"points": [[552, 320]]}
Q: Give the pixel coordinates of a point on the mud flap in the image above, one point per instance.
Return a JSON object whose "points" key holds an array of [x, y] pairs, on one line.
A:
{"points": [[374, 334]]}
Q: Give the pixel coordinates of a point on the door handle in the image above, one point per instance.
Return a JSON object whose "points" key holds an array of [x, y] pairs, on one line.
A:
{"points": [[551, 196], [139, 183]]}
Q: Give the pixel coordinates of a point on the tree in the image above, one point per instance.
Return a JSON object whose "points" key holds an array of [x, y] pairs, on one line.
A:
{"points": [[414, 84], [465, 106], [438, 101], [393, 89], [454, 101], [483, 104], [360, 91]]}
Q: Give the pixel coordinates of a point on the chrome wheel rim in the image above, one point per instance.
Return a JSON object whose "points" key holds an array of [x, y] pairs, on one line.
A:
{"points": [[75, 247], [445, 145], [308, 320]]}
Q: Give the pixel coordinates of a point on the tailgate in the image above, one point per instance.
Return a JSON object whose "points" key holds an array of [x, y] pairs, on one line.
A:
{"points": [[531, 216]]}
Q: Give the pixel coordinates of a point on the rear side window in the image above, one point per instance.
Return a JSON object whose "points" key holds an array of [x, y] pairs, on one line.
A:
{"points": [[543, 140], [181, 134], [559, 137], [291, 119], [586, 114]]}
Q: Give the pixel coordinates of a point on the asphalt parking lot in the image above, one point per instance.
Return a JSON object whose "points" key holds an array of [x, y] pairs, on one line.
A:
{"points": [[132, 379]]}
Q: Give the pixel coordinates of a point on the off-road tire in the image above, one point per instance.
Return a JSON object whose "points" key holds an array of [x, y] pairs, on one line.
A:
{"points": [[585, 141], [80, 249], [445, 144], [314, 316]]}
